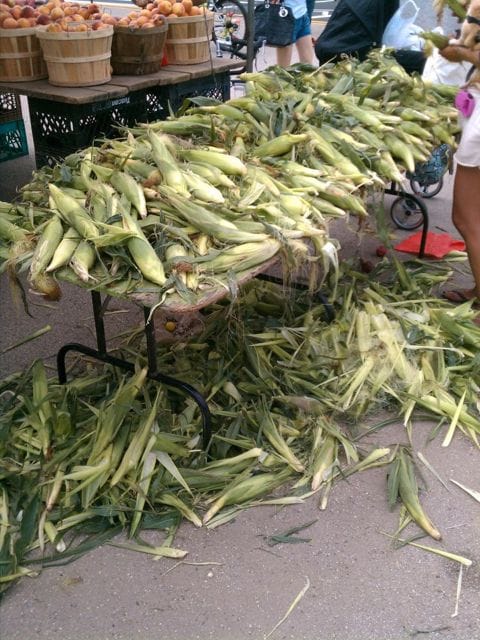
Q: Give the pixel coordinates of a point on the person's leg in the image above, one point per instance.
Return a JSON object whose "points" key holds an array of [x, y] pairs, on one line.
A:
{"points": [[284, 55], [305, 49], [303, 39], [466, 218]]}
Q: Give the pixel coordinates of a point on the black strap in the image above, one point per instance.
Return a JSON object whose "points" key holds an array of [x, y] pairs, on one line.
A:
{"points": [[473, 20], [470, 72]]}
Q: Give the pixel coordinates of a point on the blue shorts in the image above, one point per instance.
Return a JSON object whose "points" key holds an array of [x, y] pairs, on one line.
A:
{"points": [[302, 27]]}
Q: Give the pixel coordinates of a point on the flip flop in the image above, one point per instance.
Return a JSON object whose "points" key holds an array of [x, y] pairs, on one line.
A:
{"points": [[459, 296]]}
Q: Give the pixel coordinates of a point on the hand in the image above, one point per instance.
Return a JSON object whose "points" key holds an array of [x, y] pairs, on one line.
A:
{"points": [[455, 53]]}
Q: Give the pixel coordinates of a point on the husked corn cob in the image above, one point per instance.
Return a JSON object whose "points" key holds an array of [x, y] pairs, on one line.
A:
{"points": [[142, 252], [83, 259], [227, 163], [131, 189], [73, 213], [242, 256], [65, 250]]}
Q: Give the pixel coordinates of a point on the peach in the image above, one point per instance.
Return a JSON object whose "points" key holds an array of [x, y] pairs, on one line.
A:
{"points": [[108, 19], [27, 12], [178, 9], [23, 23], [188, 4], [9, 23], [43, 19], [165, 7], [57, 13]]}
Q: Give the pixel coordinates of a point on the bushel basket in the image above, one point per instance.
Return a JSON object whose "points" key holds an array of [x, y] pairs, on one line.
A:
{"points": [[21, 57], [188, 39], [77, 58], [136, 52]]}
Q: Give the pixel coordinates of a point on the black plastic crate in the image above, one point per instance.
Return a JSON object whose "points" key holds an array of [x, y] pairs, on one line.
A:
{"points": [[13, 140], [60, 128], [10, 108], [217, 86]]}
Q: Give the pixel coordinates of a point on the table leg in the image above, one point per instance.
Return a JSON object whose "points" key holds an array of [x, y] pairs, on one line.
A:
{"points": [[102, 355]]}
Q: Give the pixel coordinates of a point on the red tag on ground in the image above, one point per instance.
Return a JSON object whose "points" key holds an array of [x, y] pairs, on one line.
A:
{"points": [[437, 245]]}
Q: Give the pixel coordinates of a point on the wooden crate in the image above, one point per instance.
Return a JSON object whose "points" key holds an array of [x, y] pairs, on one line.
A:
{"points": [[21, 57], [77, 58], [188, 39], [137, 52]]}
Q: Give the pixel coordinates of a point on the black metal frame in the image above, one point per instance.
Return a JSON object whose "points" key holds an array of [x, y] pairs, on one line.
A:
{"points": [[102, 355], [423, 210]]}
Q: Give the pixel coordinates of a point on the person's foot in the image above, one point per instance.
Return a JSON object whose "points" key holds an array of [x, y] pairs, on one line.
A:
{"points": [[459, 296]]}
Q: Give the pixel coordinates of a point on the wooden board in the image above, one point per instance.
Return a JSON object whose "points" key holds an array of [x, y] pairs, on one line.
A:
{"points": [[119, 85], [149, 298]]}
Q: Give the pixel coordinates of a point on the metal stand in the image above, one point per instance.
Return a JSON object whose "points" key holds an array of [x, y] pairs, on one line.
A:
{"points": [[422, 209], [102, 355]]}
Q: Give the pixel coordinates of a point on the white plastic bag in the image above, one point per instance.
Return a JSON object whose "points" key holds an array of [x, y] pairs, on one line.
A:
{"points": [[401, 31], [439, 70]]}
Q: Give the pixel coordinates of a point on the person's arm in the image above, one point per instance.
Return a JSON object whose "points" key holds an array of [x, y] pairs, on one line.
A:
{"points": [[455, 53]]}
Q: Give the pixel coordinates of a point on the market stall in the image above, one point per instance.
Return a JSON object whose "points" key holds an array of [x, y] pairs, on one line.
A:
{"points": [[65, 119], [181, 214], [85, 72]]}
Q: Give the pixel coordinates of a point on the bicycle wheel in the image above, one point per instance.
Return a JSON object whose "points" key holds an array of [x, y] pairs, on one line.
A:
{"points": [[407, 212], [230, 28], [428, 190]]}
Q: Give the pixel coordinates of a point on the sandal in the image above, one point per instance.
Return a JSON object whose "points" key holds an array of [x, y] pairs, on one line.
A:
{"points": [[459, 296]]}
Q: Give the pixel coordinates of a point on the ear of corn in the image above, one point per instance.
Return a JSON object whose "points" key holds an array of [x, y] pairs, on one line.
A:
{"points": [[227, 163], [404, 482], [143, 252], [73, 213]]}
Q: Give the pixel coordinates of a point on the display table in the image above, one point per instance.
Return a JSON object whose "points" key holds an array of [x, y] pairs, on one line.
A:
{"points": [[65, 119]]}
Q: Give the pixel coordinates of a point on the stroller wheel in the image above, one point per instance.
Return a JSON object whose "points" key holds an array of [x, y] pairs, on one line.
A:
{"points": [[428, 190], [407, 212]]}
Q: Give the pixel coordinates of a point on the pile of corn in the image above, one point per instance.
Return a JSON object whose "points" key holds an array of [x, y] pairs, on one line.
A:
{"points": [[177, 207], [156, 210], [287, 392]]}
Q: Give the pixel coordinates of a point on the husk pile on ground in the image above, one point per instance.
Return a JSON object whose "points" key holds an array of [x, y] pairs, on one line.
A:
{"points": [[288, 392]]}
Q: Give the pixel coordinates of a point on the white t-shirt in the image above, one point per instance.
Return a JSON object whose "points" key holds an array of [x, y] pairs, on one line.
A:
{"points": [[468, 152]]}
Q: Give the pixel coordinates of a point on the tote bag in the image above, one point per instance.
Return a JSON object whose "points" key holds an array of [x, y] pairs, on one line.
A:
{"points": [[274, 24]]}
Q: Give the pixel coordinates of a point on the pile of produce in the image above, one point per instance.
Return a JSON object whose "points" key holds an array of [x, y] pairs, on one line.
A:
{"points": [[64, 15], [288, 394], [176, 207], [73, 16]]}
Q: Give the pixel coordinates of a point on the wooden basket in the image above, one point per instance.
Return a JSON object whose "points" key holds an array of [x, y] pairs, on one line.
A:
{"points": [[136, 52], [21, 57], [77, 58], [188, 39]]}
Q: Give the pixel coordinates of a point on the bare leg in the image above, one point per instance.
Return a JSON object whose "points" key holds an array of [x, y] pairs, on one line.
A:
{"points": [[305, 49], [284, 55], [466, 216]]}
